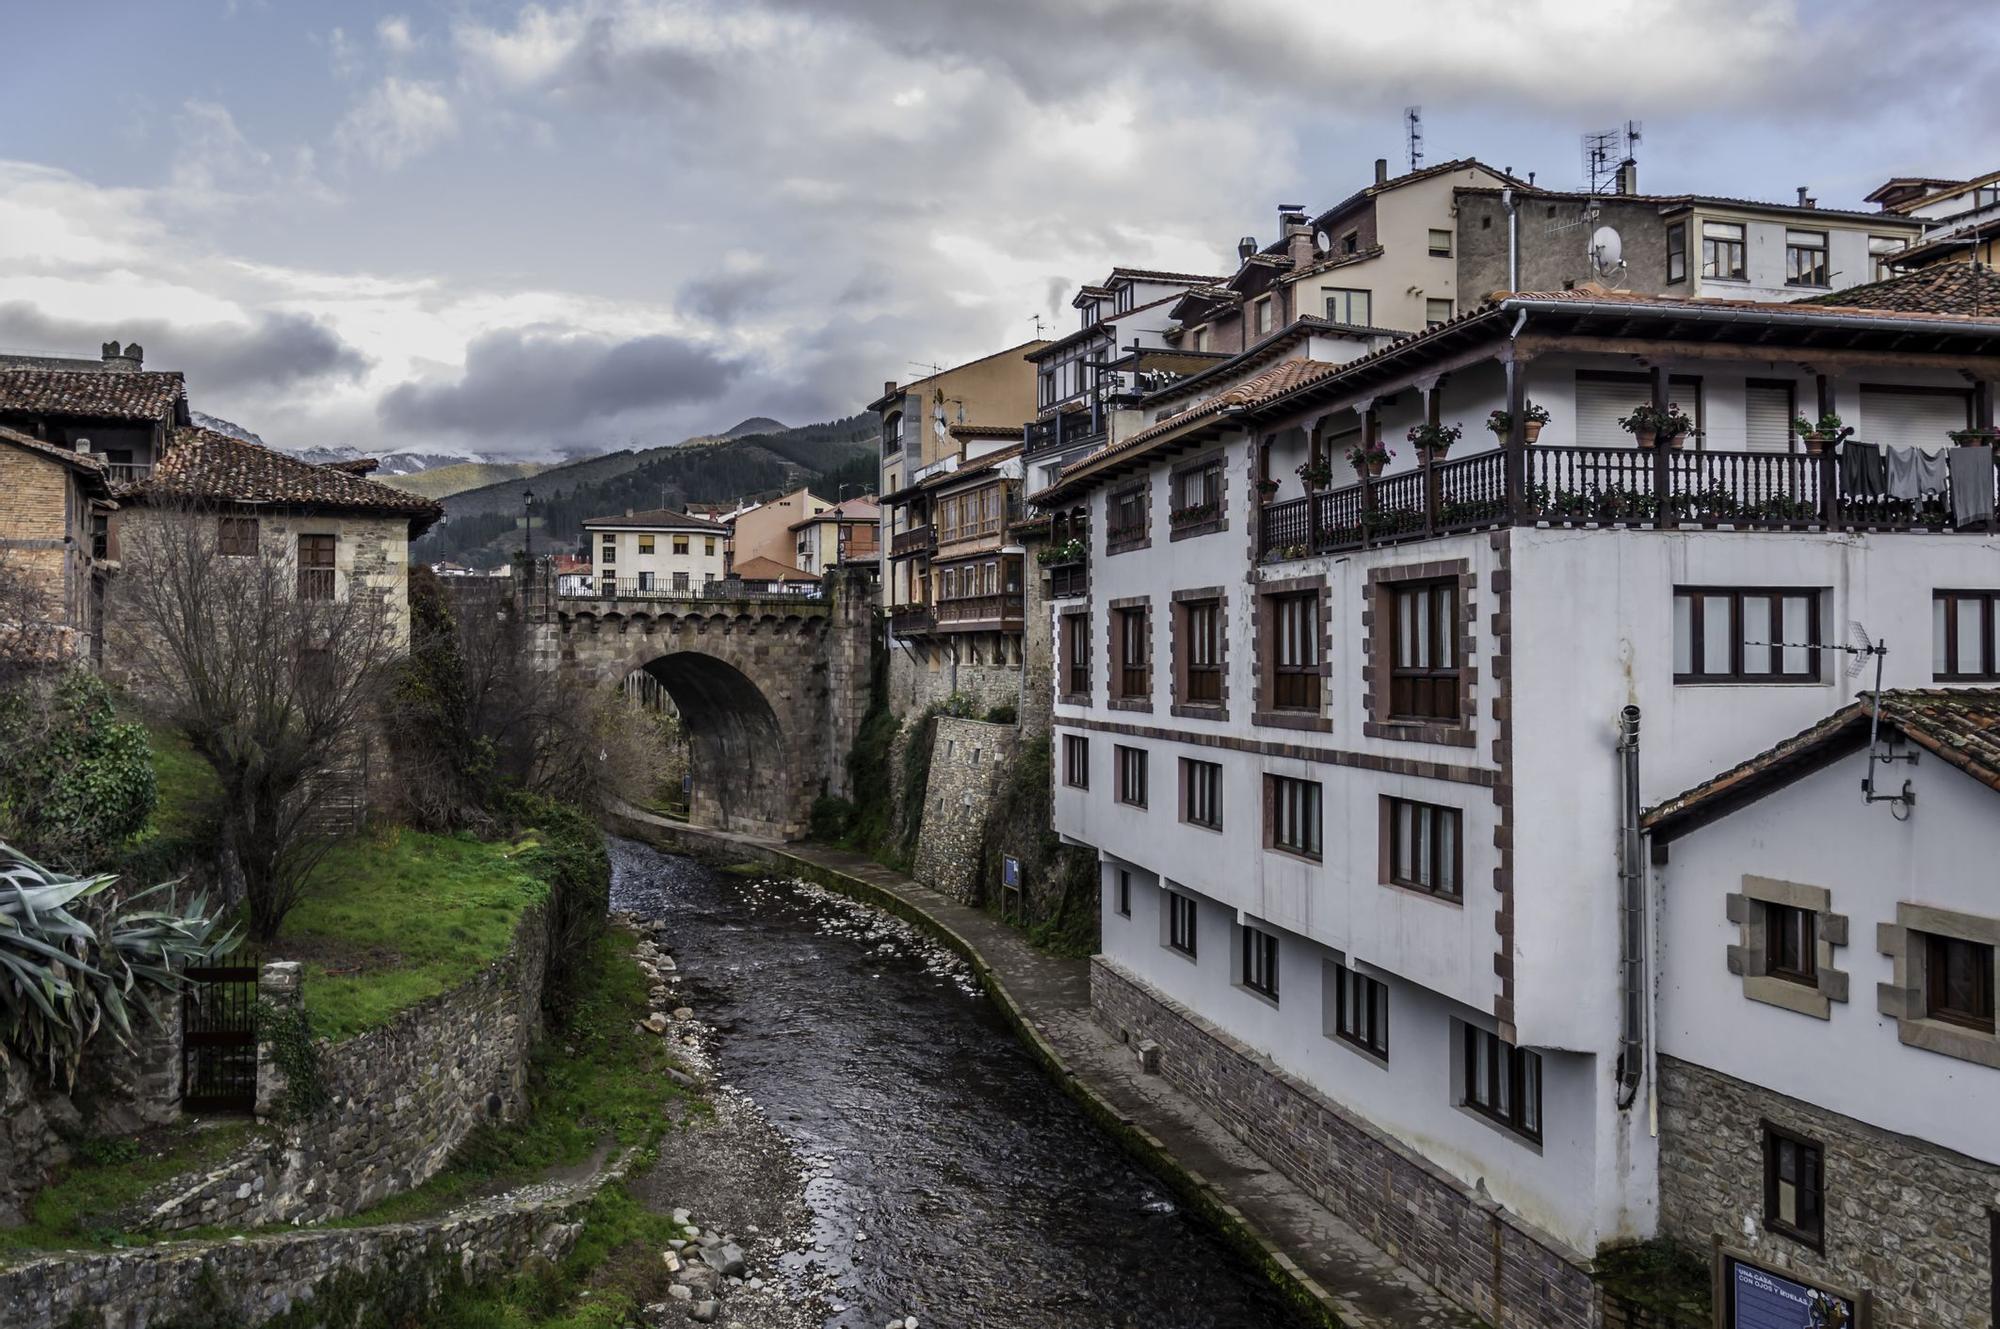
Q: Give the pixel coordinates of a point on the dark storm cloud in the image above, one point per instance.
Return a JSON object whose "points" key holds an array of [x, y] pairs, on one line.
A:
{"points": [[279, 350], [728, 295], [525, 381]]}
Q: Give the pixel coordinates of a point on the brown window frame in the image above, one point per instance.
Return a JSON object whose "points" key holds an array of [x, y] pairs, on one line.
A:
{"points": [[1808, 1182], [1260, 961], [1512, 1071], [1206, 477], [1281, 820], [1076, 655], [1396, 867], [1296, 683], [1183, 924], [1361, 1011], [681, 544], [318, 578], [1791, 943], [1426, 690], [1130, 773], [236, 537], [1814, 597], [1131, 504], [1132, 671], [1076, 761], [1953, 652], [1677, 255], [1199, 644], [1940, 1001], [1713, 247], [1195, 802]]}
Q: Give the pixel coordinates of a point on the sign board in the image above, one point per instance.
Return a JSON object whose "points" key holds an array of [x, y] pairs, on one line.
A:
{"points": [[687, 782], [1010, 871], [1756, 1298]]}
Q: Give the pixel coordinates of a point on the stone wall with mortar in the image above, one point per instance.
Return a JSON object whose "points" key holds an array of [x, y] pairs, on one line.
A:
{"points": [[923, 672], [358, 1276], [968, 760], [1460, 1242], [1904, 1220], [401, 1099]]}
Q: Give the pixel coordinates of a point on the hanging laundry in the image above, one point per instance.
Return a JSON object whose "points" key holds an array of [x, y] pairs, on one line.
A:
{"points": [[1864, 471], [1971, 486], [1914, 473]]}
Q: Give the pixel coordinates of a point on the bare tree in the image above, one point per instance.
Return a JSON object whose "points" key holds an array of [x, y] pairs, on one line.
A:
{"points": [[268, 672], [30, 636]]}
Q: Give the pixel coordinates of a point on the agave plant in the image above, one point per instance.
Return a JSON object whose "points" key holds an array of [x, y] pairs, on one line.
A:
{"points": [[76, 955]]}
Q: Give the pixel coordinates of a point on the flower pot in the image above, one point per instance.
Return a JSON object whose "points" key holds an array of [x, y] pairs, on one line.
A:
{"points": [[1815, 442], [1677, 442], [1643, 437], [1532, 430], [1368, 469], [1972, 438], [1437, 452]]}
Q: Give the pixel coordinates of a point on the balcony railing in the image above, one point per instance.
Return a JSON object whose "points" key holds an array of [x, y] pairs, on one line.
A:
{"points": [[724, 588], [127, 472], [1594, 486], [906, 620], [1069, 430], [920, 540], [968, 610]]}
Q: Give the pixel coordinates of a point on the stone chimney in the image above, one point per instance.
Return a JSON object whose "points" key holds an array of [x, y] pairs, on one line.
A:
{"points": [[889, 387], [1628, 176], [1381, 170], [127, 361], [1298, 234]]}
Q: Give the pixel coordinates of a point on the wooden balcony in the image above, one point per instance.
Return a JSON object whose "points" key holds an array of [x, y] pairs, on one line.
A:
{"points": [[907, 544], [973, 612], [1624, 487], [911, 620]]}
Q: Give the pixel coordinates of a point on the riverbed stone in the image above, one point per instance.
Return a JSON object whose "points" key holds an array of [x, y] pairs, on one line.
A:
{"points": [[706, 1311]]}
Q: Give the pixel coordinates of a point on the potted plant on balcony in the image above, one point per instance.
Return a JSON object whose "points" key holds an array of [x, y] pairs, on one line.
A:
{"points": [[1267, 489], [1369, 460], [1434, 440], [1820, 435], [1649, 426], [1973, 438], [1317, 472], [1533, 417], [1069, 551]]}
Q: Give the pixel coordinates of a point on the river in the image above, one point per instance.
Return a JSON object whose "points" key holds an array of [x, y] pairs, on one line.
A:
{"points": [[987, 1197]]}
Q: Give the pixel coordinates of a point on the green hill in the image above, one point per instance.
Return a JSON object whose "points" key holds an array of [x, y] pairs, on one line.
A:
{"points": [[444, 481], [482, 526]]}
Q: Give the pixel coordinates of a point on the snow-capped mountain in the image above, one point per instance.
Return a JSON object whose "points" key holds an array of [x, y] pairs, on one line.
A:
{"points": [[203, 420]]}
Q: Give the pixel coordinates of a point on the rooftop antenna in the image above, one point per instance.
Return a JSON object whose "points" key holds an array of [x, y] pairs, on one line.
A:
{"points": [[1600, 160], [1038, 326], [1858, 647], [1413, 132]]}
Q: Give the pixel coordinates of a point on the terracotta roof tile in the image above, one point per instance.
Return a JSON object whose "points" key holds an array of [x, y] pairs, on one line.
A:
{"points": [[1149, 274], [766, 569], [1946, 288], [1255, 391], [144, 395], [201, 463], [659, 518]]}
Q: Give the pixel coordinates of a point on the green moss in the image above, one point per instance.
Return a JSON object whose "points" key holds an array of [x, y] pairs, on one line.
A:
{"points": [[1662, 1278], [1062, 880], [395, 917], [109, 1175]]}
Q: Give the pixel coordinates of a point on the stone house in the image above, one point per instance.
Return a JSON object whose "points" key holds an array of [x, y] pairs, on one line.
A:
{"points": [[111, 408], [52, 548]]}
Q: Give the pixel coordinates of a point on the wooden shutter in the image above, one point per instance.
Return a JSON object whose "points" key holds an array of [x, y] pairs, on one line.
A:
{"points": [[1900, 419], [1767, 417]]}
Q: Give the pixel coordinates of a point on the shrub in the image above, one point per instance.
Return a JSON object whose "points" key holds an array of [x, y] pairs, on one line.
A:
{"points": [[830, 818], [1005, 713], [570, 856], [75, 781]]}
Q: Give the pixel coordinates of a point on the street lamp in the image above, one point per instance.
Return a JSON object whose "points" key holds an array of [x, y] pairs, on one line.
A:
{"points": [[528, 524]]}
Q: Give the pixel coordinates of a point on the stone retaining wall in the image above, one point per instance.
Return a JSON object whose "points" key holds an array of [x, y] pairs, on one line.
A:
{"points": [[402, 1098], [968, 759], [359, 1278], [1468, 1248], [1905, 1220]]}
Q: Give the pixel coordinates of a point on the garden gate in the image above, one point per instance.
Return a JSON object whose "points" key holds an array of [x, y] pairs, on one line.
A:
{"points": [[219, 1035]]}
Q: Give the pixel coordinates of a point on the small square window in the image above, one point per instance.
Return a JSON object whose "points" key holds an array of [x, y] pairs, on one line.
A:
{"points": [[1503, 1082], [1440, 243], [1359, 1010], [1794, 1202], [1958, 981], [1436, 312], [1791, 944], [645, 544]]}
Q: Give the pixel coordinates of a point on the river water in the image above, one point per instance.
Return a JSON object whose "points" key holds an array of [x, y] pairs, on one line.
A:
{"points": [[987, 1197]]}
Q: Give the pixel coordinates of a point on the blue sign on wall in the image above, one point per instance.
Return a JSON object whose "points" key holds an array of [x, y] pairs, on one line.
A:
{"points": [[1010, 871], [1760, 1299]]}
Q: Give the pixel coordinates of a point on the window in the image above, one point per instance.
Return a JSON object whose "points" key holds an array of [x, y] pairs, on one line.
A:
{"points": [[1791, 943], [1201, 338], [1201, 635], [1181, 923], [680, 544], [1503, 1082], [1349, 306], [1769, 407], [1197, 492], [708, 546], [1805, 258], [1722, 251], [1724, 635], [1962, 636], [1262, 312], [1076, 761], [645, 581], [610, 550], [1423, 671], [1201, 793], [1436, 312], [1131, 775], [236, 536], [1425, 847], [1133, 676], [1292, 815], [1958, 981], [316, 567], [1440, 243], [1350, 243], [1124, 893], [1361, 1010], [645, 544], [1127, 516], [1985, 196], [1260, 962], [1076, 655], [1882, 248], [1792, 1186], [681, 582], [1677, 252], [1295, 651]]}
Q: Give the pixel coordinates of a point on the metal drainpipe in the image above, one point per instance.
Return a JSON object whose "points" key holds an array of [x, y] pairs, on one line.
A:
{"points": [[1513, 245], [1632, 918]]}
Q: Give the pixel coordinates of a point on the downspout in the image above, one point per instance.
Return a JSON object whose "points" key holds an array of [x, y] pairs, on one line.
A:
{"points": [[1632, 918], [1513, 244]]}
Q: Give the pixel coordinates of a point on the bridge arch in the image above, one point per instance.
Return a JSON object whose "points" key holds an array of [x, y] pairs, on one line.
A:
{"points": [[742, 772]]}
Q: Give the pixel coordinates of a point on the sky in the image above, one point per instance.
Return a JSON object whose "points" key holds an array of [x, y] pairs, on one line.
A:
{"points": [[515, 228]]}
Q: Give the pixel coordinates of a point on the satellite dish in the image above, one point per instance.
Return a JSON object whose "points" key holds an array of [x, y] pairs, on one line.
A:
{"points": [[1607, 254], [1323, 242]]}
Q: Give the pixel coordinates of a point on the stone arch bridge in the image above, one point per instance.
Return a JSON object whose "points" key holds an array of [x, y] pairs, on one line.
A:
{"points": [[771, 688]]}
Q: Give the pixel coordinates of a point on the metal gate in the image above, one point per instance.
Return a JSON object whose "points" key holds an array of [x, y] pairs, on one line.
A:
{"points": [[219, 1035]]}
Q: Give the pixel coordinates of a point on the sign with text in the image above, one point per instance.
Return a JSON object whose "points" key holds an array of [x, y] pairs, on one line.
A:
{"points": [[1760, 1299], [1010, 871]]}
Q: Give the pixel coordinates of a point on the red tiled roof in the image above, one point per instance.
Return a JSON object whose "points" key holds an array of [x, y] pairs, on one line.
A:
{"points": [[658, 519], [1148, 274], [89, 464], [1945, 288], [201, 463], [767, 569], [143, 395]]}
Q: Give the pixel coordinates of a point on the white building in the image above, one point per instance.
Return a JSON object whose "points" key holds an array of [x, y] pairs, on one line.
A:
{"points": [[661, 552], [1349, 757]]}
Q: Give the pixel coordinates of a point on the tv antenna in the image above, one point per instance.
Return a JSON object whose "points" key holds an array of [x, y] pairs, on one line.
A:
{"points": [[1859, 647], [1038, 326], [1606, 151], [1413, 134]]}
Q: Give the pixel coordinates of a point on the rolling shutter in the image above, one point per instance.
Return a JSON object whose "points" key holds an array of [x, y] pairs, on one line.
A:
{"points": [[1602, 400], [1767, 417], [1911, 419]]}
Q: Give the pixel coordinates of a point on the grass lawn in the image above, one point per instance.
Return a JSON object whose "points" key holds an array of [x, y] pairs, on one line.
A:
{"points": [[109, 1174], [187, 786], [395, 916]]}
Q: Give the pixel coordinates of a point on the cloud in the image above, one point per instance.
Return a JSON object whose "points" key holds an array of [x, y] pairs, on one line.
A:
{"points": [[393, 32], [276, 351], [396, 122], [526, 382]]}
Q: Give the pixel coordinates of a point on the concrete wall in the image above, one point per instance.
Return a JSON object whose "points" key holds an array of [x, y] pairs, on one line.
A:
{"points": [[766, 531], [968, 760]]}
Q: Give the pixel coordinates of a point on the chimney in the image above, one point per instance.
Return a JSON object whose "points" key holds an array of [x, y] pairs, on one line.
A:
{"points": [[889, 387], [1297, 233], [1628, 176], [125, 361], [1245, 248], [1807, 200], [1381, 170]]}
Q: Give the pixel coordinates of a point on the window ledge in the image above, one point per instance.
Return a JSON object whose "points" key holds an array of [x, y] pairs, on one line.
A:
{"points": [[1501, 1127], [1419, 731], [1199, 710], [1788, 995], [1296, 855], [1305, 720], [1130, 704], [1455, 901], [1193, 529], [1361, 1050], [1950, 1040]]}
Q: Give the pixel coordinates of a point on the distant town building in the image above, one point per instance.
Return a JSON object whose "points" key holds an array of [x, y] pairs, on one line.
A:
{"points": [[662, 551], [1960, 218], [765, 531], [846, 533]]}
